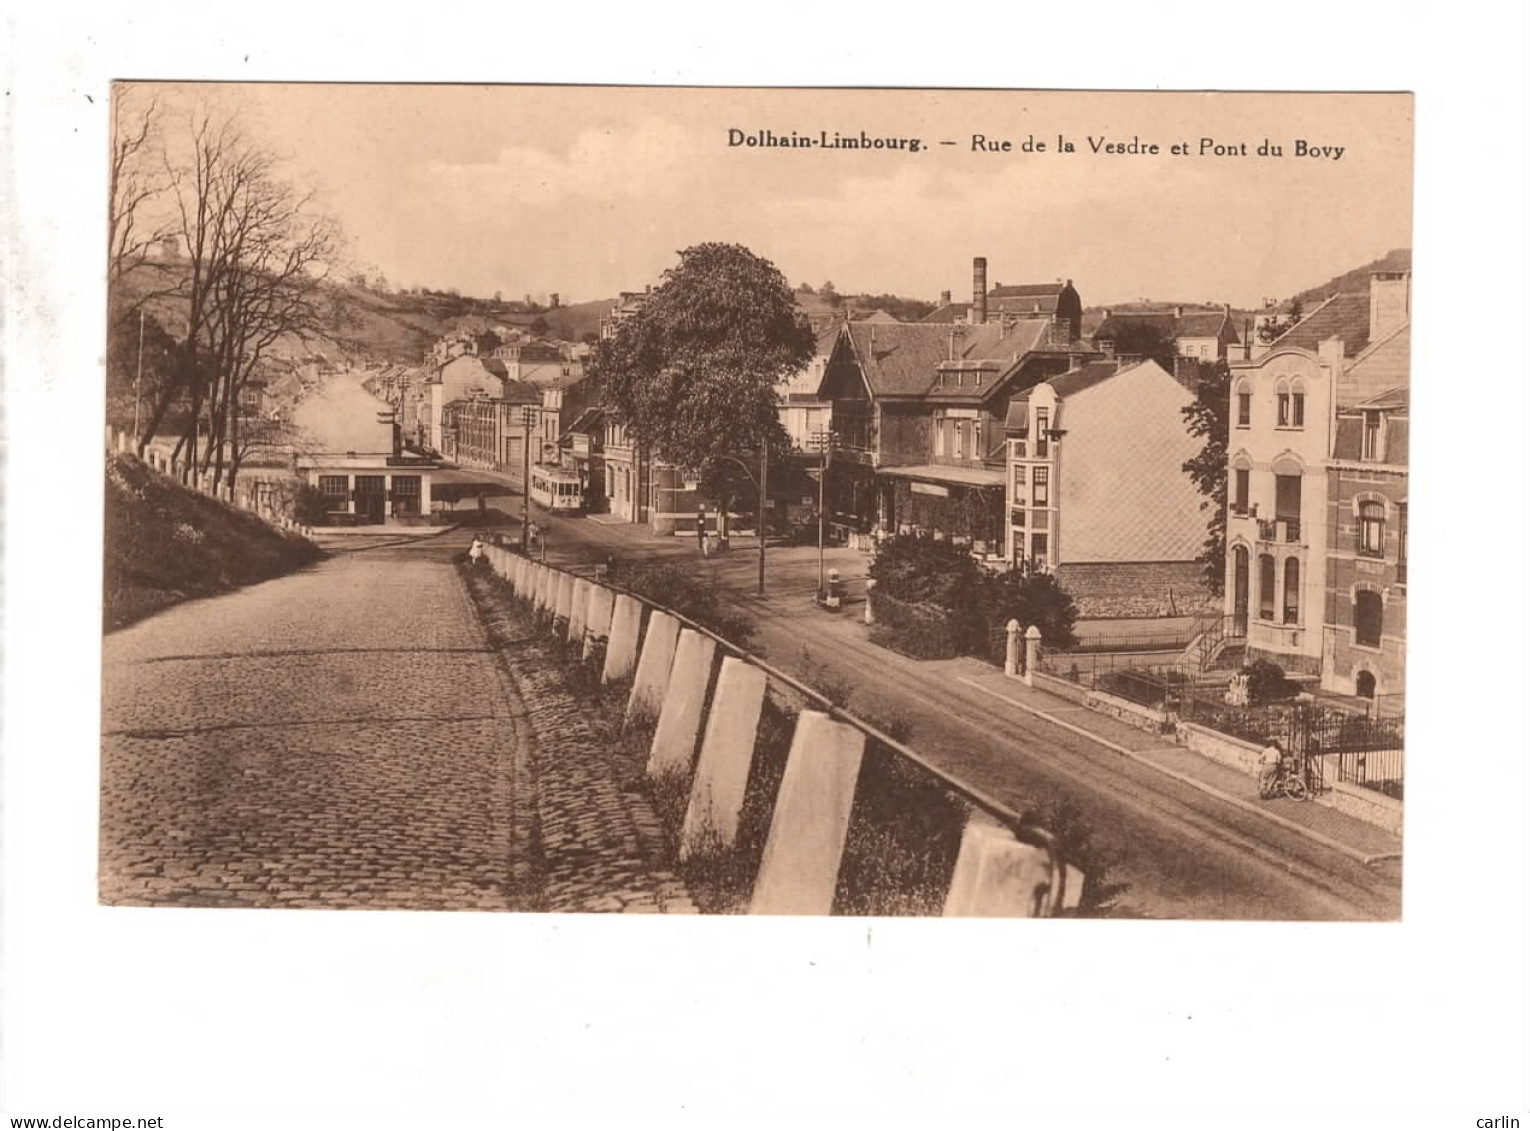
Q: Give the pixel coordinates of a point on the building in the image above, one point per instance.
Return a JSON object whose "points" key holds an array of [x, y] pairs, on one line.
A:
{"points": [[1292, 587], [1203, 334], [1365, 610], [465, 376], [919, 413], [628, 472], [371, 482], [492, 433], [805, 415], [1095, 488]]}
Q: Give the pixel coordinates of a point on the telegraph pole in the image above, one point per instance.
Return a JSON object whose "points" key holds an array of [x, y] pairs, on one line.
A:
{"points": [[526, 413], [826, 440]]}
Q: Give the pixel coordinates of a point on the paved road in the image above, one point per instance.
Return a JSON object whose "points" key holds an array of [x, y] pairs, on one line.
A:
{"points": [[1186, 854], [341, 737]]}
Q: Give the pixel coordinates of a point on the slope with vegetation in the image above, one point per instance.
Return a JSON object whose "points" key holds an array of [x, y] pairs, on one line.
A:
{"points": [[165, 544]]}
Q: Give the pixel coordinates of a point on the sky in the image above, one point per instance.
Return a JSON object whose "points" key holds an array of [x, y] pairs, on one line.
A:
{"points": [[588, 191]]}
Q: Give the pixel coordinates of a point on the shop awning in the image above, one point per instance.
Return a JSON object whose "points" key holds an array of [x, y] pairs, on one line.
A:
{"points": [[948, 476]]}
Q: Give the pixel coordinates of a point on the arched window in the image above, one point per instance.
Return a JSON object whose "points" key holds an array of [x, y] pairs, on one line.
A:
{"points": [[1282, 403], [1298, 403], [1243, 401], [1368, 618], [1266, 587], [1365, 685], [1293, 592], [1370, 534]]}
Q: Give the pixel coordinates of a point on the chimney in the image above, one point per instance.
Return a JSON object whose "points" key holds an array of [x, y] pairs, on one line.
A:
{"points": [[979, 291], [945, 298], [1390, 301]]}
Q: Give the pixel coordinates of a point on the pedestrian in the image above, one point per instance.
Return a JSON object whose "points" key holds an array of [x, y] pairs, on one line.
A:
{"points": [[701, 529], [476, 551], [1268, 768]]}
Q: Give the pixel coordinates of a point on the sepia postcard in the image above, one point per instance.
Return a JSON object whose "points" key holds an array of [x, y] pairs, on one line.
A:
{"points": [[902, 502]]}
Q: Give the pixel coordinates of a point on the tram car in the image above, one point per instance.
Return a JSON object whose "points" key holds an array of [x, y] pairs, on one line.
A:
{"points": [[557, 489]]}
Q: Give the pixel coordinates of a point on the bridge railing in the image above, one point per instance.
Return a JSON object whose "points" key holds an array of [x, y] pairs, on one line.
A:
{"points": [[704, 696]]}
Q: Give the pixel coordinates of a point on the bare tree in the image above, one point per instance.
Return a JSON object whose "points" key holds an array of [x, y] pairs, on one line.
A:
{"points": [[134, 187], [257, 257]]}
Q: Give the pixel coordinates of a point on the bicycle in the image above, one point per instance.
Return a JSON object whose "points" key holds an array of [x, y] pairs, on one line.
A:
{"points": [[1286, 781]]}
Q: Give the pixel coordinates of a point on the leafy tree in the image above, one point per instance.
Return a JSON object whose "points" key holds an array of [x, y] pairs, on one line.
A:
{"points": [[830, 295], [694, 372], [1140, 337], [1208, 416]]}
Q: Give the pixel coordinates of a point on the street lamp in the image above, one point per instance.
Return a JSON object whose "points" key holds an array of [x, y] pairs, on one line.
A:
{"points": [[824, 441], [759, 482]]}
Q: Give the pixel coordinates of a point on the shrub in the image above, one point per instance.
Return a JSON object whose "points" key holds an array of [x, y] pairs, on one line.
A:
{"points": [[696, 600], [309, 505], [1267, 682], [922, 631], [933, 601]]}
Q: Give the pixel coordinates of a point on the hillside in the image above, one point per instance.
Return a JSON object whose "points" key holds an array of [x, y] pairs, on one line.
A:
{"points": [[165, 545], [1356, 281]]}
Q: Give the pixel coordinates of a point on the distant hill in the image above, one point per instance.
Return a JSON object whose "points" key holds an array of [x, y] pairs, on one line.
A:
{"points": [[1356, 281]]}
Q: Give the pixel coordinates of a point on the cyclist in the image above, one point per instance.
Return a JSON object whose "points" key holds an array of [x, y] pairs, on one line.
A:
{"points": [[1269, 766]]}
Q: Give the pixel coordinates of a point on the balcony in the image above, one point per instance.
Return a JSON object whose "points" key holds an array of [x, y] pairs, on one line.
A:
{"points": [[1288, 530]]}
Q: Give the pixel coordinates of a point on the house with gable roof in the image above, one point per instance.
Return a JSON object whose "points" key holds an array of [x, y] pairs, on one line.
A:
{"points": [[919, 412], [1204, 334], [1096, 492]]}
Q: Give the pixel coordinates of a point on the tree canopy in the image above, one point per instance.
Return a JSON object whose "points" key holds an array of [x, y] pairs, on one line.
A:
{"points": [[1209, 417], [694, 372]]}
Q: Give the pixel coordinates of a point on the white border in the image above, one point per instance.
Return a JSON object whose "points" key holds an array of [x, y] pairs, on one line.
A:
{"points": [[111, 1011]]}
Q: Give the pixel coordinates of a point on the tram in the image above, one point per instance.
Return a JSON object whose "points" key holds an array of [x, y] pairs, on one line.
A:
{"points": [[557, 489]]}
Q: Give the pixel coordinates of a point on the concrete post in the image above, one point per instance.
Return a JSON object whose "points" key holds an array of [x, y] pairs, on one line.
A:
{"points": [[547, 592], [518, 574], [1012, 648], [534, 587], [563, 605], [653, 667], [622, 643], [807, 833], [685, 701], [998, 876], [577, 606], [597, 618], [727, 752], [871, 584], [1032, 653]]}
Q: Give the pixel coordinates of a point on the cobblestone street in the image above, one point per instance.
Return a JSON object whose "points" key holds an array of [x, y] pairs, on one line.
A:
{"points": [[346, 738]]}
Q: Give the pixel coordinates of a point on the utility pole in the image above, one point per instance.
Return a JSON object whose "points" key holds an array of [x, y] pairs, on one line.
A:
{"points": [[826, 441], [526, 415]]}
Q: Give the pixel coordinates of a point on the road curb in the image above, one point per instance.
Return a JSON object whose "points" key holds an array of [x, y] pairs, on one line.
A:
{"points": [[1184, 779]]}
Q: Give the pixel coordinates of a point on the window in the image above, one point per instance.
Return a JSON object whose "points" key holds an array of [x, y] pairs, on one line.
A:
{"points": [[1019, 485], [1402, 543], [940, 437], [336, 490], [1288, 496], [1370, 445], [1368, 618], [1019, 448], [1372, 529], [1293, 598], [1298, 408], [1041, 432], [1240, 490], [1245, 406], [1283, 410], [959, 448], [1039, 486], [1038, 549], [1266, 587]]}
